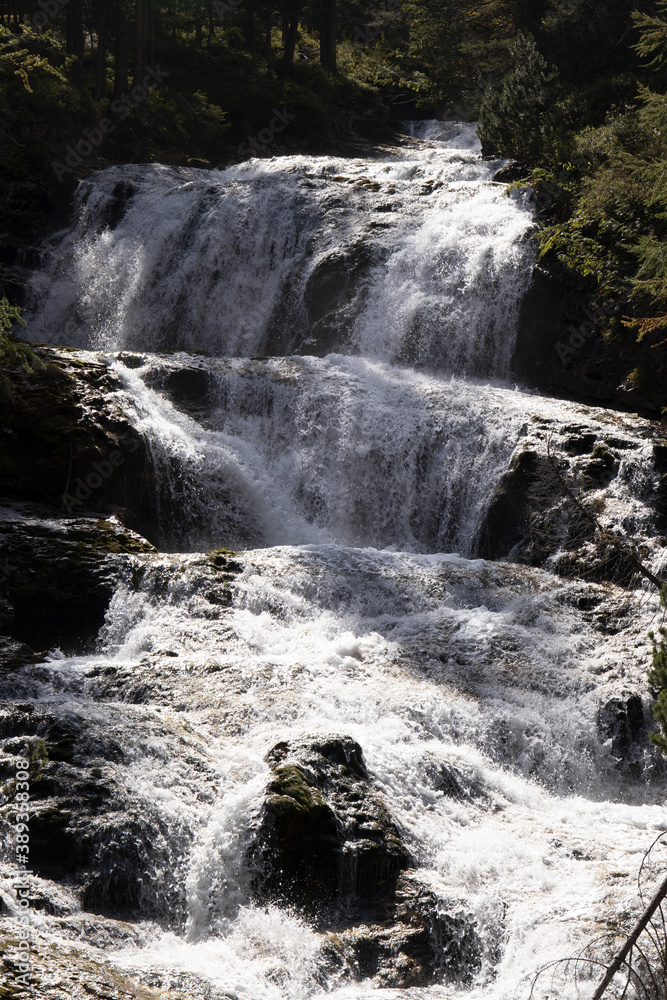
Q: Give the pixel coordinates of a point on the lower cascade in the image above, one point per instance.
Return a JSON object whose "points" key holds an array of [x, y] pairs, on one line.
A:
{"points": [[351, 700]]}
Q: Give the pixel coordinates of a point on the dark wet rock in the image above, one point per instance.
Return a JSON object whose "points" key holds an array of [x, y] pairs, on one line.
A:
{"points": [[511, 172], [453, 782], [60, 576], [623, 722], [65, 443], [561, 347], [547, 507], [85, 831], [419, 939], [578, 442], [330, 299], [326, 843], [14, 655], [324, 835], [131, 360], [660, 455], [118, 203], [188, 389], [507, 519]]}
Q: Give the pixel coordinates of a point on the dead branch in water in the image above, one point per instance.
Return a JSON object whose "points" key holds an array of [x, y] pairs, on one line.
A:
{"points": [[642, 958]]}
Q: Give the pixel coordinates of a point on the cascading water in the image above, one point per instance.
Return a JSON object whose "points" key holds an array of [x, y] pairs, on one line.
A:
{"points": [[416, 257], [346, 479]]}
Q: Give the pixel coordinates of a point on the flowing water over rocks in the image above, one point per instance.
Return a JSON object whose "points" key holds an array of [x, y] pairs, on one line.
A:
{"points": [[373, 713]]}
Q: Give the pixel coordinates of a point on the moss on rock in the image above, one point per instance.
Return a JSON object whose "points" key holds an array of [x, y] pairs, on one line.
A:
{"points": [[324, 834]]}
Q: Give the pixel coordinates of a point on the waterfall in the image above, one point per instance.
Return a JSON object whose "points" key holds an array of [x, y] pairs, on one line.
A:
{"points": [[317, 352], [417, 257]]}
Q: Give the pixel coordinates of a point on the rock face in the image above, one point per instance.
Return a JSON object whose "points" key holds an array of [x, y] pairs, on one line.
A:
{"points": [[84, 833], [58, 577], [419, 940], [324, 835], [561, 348], [560, 486], [330, 298], [326, 843], [64, 443], [624, 723]]}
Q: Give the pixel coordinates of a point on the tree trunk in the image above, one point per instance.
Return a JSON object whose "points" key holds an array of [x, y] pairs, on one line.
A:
{"points": [[120, 83], [267, 38], [139, 63], [211, 26], [150, 32], [199, 36], [328, 35], [102, 23], [626, 950], [289, 39], [69, 41], [249, 25]]}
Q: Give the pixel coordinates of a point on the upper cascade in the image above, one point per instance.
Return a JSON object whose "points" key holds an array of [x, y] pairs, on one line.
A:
{"points": [[415, 257]]}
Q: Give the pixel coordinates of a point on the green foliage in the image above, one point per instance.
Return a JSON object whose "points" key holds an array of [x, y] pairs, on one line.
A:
{"points": [[652, 44], [13, 352], [37, 756], [9, 315], [18, 58], [517, 119]]}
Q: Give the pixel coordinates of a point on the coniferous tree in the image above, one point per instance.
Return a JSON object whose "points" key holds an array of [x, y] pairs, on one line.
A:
{"points": [[515, 120]]}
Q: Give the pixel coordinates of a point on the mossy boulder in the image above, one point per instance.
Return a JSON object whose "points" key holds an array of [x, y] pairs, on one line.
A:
{"points": [[324, 835]]}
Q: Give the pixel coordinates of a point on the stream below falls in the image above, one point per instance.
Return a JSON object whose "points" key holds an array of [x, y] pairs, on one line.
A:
{"points": [[318, 353]]}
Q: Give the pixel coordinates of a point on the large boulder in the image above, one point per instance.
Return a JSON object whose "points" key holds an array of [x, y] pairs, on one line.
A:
{"points": [[87, 832], [623, 724], [324, 835], [65, 441], [326, 843]]}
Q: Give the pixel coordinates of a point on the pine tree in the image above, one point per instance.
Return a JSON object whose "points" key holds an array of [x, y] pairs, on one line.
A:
{"points": [[515, 120]]}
